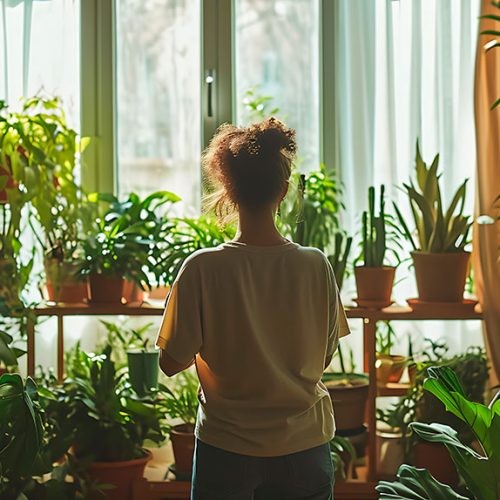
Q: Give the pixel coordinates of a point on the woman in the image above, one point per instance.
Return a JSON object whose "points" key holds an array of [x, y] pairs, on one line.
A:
{"points": [[260, 317]]}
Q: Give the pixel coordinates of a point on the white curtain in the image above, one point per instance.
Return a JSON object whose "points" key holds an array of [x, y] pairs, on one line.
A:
{"points": [[405, 70]]}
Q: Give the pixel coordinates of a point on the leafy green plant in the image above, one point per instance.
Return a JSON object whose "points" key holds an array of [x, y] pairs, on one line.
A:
{"points": [[438, 231], [182, 237], [181, 401], [257, 106], [480, 470], [341, 449], [122, 338], [108, 421], [339, 256], [8, 352]]}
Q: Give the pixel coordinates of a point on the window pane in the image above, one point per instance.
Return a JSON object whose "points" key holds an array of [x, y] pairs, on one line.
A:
{"points": [[158, 97], [40, 52], [277, 53]]}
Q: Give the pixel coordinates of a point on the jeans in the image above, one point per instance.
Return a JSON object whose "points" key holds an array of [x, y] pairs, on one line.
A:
{"points": [[222, 475]]}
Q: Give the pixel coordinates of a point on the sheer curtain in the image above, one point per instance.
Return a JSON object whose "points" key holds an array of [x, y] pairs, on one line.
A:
{"points": [[405, 70]]}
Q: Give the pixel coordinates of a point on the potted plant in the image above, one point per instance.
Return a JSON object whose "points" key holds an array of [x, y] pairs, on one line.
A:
{"points": [[421, 406], [374, 279], [181, 404], [109, 423], [349, 393], [142, 356], [390, 367], [479, 469], [149, 216], [343, 457], [113, 252], [439, 254]]}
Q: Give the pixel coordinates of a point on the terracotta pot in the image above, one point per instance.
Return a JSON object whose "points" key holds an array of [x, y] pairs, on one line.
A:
{"points": [[63, 283], [441, 276], [390, 453], [349, 396], [119, 474], [435, 458], [374, 285], [159, 293], [104, 289], [132, 294], [182, 438], [390, 367]]}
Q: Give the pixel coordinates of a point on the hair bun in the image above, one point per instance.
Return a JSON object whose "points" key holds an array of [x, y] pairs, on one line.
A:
{"points": [[273, 137]]}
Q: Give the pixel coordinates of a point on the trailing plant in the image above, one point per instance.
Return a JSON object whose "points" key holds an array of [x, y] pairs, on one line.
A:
{"points": [[181, 401], [438, 230], [480, 470]]}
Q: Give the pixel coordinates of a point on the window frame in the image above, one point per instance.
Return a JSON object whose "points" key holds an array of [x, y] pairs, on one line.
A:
{"points": [[98, 92]]}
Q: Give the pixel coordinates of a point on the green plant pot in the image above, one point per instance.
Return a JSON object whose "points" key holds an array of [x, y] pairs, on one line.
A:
{"points": [[143, 370]]}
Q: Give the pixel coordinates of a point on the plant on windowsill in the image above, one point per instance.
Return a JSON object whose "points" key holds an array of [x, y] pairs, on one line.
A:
{"points": [[149, 216], [439, 254], [106, 421], [181, 405], [389, 366], [142, 356], [479, 469], [116, 250], [374, 279]]}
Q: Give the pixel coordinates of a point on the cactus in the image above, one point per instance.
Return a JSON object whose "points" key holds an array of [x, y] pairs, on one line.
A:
{"points": [[374, 231]]}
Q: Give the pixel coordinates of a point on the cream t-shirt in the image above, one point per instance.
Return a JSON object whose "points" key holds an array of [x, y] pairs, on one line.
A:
{"points": [[260, 322]]}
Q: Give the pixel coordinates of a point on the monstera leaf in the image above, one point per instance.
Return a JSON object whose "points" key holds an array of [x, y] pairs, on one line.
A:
{"points": [[416, 484]]}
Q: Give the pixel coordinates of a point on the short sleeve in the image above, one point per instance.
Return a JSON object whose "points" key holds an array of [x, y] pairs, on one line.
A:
{"points": [[337, 323], [180, 334]]}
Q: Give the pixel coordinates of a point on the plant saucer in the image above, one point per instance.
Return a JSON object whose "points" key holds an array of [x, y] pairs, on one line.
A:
{"points": [[373, 304], [463, 307]]}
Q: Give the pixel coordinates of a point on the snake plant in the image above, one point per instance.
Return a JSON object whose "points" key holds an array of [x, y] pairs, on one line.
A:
{"points": [[438, 230], [374, 234]]}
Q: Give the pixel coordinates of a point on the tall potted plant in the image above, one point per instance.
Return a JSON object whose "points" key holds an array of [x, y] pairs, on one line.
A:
{"points": [[181, 404], [374, 279], [439, 254], [389, 366]]}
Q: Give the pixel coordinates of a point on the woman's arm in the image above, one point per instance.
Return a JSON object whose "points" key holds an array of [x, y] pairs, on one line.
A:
{"points": [[169, 366]]}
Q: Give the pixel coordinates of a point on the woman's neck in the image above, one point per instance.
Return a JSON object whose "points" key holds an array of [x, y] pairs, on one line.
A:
{"points": [[257, 227]]}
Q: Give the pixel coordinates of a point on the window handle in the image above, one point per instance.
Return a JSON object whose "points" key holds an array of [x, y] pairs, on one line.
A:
{"points": [[210, 81]]}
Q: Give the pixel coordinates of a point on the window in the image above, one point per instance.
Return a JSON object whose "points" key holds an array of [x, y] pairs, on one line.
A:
{"points": [[268, 62], [39, 52], [158, 97]]}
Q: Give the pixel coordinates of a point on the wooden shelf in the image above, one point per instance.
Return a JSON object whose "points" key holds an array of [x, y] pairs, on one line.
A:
{"points": [[84, 309], [398, 313], [393, 389]]}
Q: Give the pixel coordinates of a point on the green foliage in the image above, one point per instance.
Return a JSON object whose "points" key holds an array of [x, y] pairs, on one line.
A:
{"points": [[385, 336], [181, 402], [258, 107], [480, 471], [341, 448], [107, 421], [338, 258], [123, 339], [415, 484], [438, 231], [9, 353], [182, 237]]}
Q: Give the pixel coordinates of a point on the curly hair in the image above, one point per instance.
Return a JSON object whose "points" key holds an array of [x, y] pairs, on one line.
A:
{"points": [[248, 166]]}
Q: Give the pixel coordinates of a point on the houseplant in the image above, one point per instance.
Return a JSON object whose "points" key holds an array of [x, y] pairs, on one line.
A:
{"points": [[374, 279], [390, 367], [181, 405], [439, 254], [151, 217], [107, 421], [349, 393], [142, 358], [480, 470], [116, 250]]}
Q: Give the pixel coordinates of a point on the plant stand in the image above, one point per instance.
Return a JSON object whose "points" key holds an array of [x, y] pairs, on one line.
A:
{"points": [[361, 489]]}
